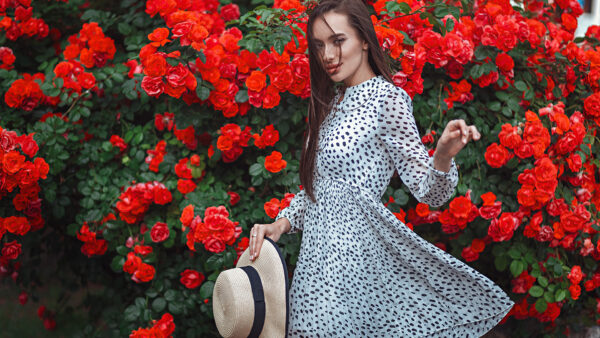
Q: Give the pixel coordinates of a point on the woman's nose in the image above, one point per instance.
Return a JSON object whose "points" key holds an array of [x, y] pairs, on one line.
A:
{"points": [[330, 52]]}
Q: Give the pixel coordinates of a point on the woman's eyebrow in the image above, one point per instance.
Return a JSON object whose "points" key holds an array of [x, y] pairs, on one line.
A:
{"points": [[332, 36]]}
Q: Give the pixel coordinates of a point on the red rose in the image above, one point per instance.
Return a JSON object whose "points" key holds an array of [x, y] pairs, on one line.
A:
{"points": [[155, 65], [132, 263], [271, 98], [502, 229], [17, 225], [496, 155], [556, 207], [505, 62], [191, 278], [272, 207], [524, 150], [8, 140], [41, 311], [469, 255], [575, 291], [592, 105], [23, 297], [11, 250], [274, 162], [28, 145], [153, 86], [144, 273], [165, 325], [159, 232], [575, 275], [490, 211], [213, 244], [142, 249], [230, 12], [185, 186], [571, 222], [234, 197], [177, 75], [523, 283]]}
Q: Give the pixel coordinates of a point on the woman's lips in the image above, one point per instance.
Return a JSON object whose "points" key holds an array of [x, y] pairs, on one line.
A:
{"points": [[332, 69]]}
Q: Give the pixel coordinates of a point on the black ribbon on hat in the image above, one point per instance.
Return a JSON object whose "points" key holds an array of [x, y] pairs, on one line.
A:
{"points": [[259, 301]]}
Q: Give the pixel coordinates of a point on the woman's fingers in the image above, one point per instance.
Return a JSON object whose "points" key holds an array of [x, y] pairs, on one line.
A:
{"points": [[256, 238]]}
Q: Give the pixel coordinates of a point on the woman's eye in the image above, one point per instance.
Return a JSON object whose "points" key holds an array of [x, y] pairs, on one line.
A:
{"points": [[338, 41]]}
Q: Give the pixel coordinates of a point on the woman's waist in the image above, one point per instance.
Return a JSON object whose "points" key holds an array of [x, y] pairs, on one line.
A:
{"points": [[322, 182]]}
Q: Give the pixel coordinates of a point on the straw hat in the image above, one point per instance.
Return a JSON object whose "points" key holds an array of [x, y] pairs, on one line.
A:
{"points": [[251, 300]]}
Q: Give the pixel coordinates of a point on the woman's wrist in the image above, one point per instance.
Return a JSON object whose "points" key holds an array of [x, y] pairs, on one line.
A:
{"points": [[284, 225]]}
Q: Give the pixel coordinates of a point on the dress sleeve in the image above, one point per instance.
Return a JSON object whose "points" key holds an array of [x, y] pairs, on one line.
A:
{"points": [[398, 131], [295, 212]]}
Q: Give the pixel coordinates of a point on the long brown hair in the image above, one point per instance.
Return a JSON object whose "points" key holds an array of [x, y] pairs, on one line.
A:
{"points": [[322, 87]]}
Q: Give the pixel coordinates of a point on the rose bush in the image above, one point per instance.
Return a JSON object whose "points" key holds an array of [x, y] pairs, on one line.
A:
{"points": [[154, 134]]}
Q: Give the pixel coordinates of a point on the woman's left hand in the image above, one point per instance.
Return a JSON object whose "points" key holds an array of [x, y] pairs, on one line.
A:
{"points": [[456, 135]]}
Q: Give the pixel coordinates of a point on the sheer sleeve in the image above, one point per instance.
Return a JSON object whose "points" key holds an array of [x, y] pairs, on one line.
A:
{"points": [[398, 131], [295, 212]]}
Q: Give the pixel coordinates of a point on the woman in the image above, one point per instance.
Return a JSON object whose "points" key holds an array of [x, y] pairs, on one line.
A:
{"points": [[361, 272]]}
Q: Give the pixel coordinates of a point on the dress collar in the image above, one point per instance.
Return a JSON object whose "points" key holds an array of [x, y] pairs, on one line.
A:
{"points": [[357, 95]]}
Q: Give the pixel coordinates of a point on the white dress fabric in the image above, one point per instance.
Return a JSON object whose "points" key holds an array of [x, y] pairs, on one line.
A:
{"points": [[361, 272]]}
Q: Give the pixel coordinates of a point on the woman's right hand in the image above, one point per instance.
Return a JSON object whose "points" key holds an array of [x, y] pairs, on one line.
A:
{"points": [[273, 231]]}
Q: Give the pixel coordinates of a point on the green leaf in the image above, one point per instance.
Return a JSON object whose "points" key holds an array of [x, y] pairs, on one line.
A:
{"points": [[536, 291], [543, 281], [560, 295], [541, 305], [206, 290], [132, 312], [175, 308], [495, 106], [514, 253], [241, 96], [117, 263], [520, 85], [170, 295], [202, 92], [549, 297], [256, 169], [516, 267], [159, 304], [501, 262]]}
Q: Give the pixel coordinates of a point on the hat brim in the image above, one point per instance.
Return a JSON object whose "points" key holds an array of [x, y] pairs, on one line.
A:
{"points": [[272, 269]]}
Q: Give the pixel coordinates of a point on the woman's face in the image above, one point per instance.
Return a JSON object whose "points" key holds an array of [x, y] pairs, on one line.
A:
{"points": [[353, 66]]}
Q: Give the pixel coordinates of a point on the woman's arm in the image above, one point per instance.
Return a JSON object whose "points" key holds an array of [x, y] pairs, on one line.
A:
{"points": [[425, 176], [294, 213]]}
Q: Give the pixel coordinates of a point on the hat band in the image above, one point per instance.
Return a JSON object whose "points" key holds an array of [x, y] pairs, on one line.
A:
{"points": [[259, 301]]}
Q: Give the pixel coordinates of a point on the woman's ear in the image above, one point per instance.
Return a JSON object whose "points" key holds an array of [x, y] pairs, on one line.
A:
{"points": [[365, 45]]}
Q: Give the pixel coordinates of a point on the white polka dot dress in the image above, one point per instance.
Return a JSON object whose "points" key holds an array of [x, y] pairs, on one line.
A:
{"points": [[361, 272]]}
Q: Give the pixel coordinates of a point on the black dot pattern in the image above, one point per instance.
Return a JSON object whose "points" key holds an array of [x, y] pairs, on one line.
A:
{"points": [[361, 272]]}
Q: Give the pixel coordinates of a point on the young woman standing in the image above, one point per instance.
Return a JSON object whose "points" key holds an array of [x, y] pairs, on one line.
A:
{"points": [[361, 272]]}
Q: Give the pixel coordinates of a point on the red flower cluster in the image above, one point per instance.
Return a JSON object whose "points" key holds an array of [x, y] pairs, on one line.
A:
{"points": [[164, 121], [25, 93], [92, 246], [22, 23], [117, 141], [156, 155], [215, 231], [471, 253], [140, 272], [231, 141], [274, 162], [191, 279], [459, 92], [461, 211], [188, 169], [160, 232], [269, 137], [164, 327], [136, 200], [187, 136], [273, 206], [91, 46], [74, 76], [7, 58], [162, 77]]}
